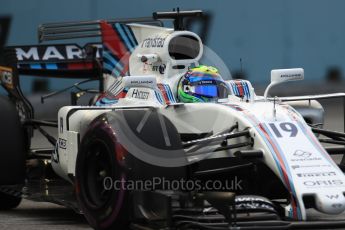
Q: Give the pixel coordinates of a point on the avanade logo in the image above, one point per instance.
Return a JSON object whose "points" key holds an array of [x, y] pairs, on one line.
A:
{"points": [[301, 155]]}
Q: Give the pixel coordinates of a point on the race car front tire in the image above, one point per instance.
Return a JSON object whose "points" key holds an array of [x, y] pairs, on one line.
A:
{"points": [[103, 206]]}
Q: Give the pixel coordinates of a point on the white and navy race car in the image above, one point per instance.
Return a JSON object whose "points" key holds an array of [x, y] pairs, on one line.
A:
{"points": [[161, 146]]}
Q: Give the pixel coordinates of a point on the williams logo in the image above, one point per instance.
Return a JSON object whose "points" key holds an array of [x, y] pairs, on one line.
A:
{"points": [[62, 143]]}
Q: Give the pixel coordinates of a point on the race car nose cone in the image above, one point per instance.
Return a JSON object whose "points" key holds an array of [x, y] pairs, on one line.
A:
{"points": [[330, 202]]}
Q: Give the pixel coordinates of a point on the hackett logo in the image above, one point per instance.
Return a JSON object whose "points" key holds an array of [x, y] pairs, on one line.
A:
{"points": [[140, 94]]}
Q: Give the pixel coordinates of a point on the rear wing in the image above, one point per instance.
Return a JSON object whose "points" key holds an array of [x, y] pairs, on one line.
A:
{"points": [[84, 29], [74, 61], [65, 60], [87, 29]]}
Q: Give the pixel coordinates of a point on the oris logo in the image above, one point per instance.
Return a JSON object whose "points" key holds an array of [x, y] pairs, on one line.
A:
{"points": [[323, 183]]}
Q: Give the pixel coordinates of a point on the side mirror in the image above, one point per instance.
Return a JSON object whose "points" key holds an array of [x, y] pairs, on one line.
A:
{"points": [[284, 75]]}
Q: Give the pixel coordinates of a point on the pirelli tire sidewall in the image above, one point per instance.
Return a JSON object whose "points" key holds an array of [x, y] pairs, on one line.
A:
{"points": [[12, 145], [114, 212]]}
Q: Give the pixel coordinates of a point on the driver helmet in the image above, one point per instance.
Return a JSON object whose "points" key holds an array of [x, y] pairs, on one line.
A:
{"points": [[202, 84]]}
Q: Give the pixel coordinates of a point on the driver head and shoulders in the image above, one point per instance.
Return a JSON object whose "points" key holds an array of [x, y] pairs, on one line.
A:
{"points": [[202, 84], [205, 84]]}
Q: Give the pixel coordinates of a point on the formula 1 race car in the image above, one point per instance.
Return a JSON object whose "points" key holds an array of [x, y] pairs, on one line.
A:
{"points": [[165, 143]]}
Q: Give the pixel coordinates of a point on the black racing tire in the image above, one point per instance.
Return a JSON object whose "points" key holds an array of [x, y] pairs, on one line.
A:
{"points": [[98, 157], [8, 201], [12, 145]]}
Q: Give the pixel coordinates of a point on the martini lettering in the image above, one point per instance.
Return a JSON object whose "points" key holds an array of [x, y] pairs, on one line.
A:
{"points": [[46, 53]]}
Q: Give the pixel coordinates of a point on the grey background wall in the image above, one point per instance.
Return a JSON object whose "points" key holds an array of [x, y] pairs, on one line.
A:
{"points": [[266, 34]]}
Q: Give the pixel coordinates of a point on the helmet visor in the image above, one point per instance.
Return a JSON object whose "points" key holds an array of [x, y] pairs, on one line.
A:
{"points": [[207, 85], [206, 90], [210, 90]]}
